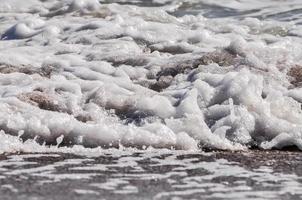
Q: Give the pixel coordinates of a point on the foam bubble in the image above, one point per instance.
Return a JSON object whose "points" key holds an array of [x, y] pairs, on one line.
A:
{"points": [[111, 75]]}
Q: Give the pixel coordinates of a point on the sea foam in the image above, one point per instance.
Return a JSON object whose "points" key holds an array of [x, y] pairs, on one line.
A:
{"points": [[110, 75]]}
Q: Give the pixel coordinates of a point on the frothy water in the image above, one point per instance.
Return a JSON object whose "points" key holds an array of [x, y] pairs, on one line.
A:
{"points": [[166, 74], [118, 99]]}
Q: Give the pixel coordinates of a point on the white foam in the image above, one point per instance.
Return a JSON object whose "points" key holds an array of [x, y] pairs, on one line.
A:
{"points": [[92, 65]]}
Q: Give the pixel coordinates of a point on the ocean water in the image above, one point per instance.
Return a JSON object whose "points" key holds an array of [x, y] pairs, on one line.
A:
{"points": [[158, 78], [115, 174]]}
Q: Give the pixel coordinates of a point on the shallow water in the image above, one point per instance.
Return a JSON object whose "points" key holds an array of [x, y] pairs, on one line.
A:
{"points": [[152, 175]]}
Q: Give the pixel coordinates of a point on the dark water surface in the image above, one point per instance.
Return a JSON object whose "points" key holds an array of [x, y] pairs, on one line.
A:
{"points": [[153, 175]]}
